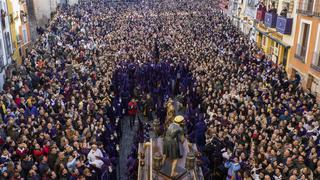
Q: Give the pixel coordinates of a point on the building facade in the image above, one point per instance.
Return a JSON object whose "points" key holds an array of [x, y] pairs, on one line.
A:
{"points": [[305, 59], [275, 21], [43, 10], [40, 12], [244, 17], [5, 41], [19, 29]]}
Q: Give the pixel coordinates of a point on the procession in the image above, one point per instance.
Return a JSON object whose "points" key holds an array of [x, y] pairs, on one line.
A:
{"points": [[101, 70]]}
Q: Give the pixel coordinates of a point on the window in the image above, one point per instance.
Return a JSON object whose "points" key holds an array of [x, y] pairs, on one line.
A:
{"points": [[235, 6], [303, 41], [316, 54], [263, 41], [7, 44], [1, 55], [306, 6], [316, 59], [25, 36]]}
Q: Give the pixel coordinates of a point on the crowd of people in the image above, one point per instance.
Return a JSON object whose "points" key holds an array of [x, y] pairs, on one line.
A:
{"points": [[61, 110]]}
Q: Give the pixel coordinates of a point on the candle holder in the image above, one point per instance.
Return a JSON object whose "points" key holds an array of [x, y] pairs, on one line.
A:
{"points": [[156, 127], [190, 161], [157, 163], [142, 155], [198, 160]]}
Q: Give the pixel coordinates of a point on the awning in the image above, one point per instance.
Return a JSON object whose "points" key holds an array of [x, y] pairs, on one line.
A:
{"points": [[274, 39]]}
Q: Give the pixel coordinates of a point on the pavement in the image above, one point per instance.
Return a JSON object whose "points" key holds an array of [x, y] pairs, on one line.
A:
{"points": [[125, 146]]}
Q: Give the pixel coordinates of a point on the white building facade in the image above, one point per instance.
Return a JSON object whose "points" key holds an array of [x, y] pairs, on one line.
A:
{"points": [[243, 14], [44, 8], [5, 42]]}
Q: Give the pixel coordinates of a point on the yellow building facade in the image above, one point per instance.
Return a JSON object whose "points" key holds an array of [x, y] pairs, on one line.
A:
{"points": [[19, 28], [15, 54], [305, 53], [275, 25]]}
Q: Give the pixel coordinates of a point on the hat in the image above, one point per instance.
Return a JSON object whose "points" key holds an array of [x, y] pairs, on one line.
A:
{"points": [[178, 119]]}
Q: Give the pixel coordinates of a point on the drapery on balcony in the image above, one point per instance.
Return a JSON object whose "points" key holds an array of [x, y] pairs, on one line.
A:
{"points": [[260, 15], [284, 25], [270, 20], [301, 52], [316, 61], [306, 7]]}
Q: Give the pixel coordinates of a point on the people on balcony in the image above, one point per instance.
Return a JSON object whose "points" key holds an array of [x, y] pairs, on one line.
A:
{"points": [[261, 6], [284, 12], [272, 8]]}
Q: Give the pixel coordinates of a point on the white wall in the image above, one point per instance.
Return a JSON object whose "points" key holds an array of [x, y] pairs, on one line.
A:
{"points": [[73, 2], [43, 9], [5, 41]]}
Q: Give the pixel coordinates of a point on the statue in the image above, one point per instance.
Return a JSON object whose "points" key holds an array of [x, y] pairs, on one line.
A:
{"points": [[172, 143], [170, 114]]}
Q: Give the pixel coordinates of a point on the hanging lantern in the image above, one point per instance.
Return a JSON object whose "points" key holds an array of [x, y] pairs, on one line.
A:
{"points": [[190, 161], [157, 161]]}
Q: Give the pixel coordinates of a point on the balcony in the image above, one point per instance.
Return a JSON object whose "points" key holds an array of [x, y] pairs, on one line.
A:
{"points": [[284, 25], [270, 20], [305, 7], [316, 10], [260, 15], [301, 53], [316, 61]]}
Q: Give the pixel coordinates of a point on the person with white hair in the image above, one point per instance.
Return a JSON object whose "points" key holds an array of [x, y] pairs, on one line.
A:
{"points": [[95, 156]]}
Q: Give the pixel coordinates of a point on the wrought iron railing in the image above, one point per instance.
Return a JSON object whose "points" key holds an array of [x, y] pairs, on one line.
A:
{"points": [[316, 9], [306, 7]]}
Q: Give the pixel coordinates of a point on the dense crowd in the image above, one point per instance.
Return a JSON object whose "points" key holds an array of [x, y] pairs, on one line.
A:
{"points": [[61, 110]]}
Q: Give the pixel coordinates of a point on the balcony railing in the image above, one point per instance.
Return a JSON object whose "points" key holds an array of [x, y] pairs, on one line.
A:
{"points": [[301, 52], [306, 7], [284, 25], [316, 61], [316, 9], [270, 20]]}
